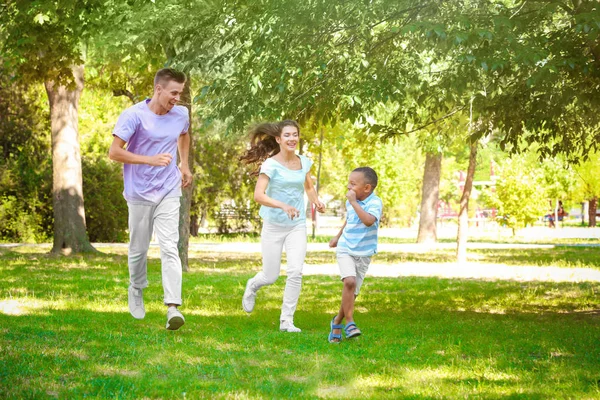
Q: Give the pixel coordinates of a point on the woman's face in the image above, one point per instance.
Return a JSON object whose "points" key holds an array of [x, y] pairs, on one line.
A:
{"points": [[288, 140]]}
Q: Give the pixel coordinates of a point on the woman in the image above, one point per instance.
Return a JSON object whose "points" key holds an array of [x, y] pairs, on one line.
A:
{"points": [[283, 178]]}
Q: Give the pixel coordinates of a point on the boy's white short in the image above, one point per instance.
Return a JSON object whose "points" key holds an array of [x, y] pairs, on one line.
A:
{"points": [[353, 266]]}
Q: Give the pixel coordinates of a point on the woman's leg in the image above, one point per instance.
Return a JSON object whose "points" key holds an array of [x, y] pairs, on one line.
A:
{"points": [[295, 248], [272, 238]]}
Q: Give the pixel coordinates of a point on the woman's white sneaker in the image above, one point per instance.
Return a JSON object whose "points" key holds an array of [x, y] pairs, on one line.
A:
{"points": [[249, 298], [288, 326]]}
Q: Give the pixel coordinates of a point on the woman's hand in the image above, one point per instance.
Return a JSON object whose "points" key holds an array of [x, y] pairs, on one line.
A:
{"points": [[292, 212], [320, 206]]}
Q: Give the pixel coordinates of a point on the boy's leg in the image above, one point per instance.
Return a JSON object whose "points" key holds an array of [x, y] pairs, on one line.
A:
{"points": [[295, 249], [140, 233], [348, 274]]}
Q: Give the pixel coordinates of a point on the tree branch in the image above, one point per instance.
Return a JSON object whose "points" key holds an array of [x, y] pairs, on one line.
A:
{"points": [[124, 92]]}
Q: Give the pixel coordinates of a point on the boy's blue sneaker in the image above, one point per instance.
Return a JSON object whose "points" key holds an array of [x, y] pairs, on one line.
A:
{"points": [[335, 337], [352, 331]]}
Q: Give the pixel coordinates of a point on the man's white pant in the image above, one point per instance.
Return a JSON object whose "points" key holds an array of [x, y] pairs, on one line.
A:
{"points": [[272, 239], [163, 218]]}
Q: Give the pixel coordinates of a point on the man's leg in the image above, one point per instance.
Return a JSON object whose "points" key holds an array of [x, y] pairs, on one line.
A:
{"points": [[140, 233], [166, 227]]}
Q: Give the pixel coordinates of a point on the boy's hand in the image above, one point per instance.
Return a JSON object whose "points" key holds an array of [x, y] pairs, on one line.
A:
{"points": [[351, 196], [320, 206], [333, 242]]}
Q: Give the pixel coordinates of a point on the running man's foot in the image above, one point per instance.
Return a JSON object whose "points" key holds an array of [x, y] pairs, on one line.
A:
{"points": [[174, 319], [288, 326], [249, 298], [135, 300]]}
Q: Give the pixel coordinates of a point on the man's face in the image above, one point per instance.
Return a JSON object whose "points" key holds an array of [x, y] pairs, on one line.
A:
{"points": [[169, 94], [356, 183]]}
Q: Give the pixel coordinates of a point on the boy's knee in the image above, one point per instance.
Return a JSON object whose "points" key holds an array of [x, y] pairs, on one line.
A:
{"points": [[350, 282]]}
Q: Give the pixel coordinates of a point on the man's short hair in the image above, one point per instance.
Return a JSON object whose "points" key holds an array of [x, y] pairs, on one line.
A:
{"points": [[165, 75], [369, 174]]}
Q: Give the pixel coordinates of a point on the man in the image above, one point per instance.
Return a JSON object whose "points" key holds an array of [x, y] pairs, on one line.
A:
{"points": [[153, 131]]}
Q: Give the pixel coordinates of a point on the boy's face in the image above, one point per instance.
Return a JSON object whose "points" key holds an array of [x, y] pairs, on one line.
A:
{"points": [[356, 183]]}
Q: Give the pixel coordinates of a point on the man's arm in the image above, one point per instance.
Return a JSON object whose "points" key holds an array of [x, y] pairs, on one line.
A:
{"points": [[118, 153], [183, 145]]}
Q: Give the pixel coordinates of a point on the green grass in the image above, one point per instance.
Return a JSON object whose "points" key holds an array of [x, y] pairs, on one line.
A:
{"points": [[65, 332]]}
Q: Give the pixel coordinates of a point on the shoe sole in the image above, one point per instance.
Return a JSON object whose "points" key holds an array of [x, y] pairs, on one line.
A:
{"points": [[175, 323]]}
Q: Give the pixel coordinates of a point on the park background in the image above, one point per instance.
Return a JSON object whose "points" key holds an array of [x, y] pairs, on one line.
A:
{"points": [[479, 117]]}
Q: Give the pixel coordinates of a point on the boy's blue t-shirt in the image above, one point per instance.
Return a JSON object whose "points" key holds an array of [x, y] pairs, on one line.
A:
{"points": [[358, 239], [285, 185]]}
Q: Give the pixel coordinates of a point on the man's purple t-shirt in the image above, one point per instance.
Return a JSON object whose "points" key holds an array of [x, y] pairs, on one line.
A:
{"points": [[147, 133]]}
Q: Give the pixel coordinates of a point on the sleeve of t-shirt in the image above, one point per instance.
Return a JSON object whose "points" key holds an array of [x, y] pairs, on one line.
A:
{"points": [[126, 125], [375, 208], [187, 122], [307, 162], [268, 168]]}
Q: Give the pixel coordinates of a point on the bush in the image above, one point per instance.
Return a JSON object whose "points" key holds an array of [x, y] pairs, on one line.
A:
{"points": [[105, 208]]}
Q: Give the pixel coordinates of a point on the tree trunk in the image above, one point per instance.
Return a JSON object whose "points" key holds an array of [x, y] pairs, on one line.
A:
{"points": [[186, 198], [430, 194], [70, 235], [593, 204], [463, 215]]}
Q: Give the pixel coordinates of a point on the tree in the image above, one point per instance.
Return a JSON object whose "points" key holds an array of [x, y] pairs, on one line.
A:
{"points": [[43, 41], [520, 195]]}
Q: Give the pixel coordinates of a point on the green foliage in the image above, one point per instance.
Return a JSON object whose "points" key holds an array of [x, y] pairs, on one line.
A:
{"points": [[224, 187], [519, 195], [25, 164], [106, 209]]}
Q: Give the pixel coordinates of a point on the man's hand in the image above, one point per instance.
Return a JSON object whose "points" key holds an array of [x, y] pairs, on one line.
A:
{"points": [[186, 175], [160, 160], [351, 196]]}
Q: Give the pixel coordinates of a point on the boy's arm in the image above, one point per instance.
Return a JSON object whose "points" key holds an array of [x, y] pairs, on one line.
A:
{"points": [[334, 240], [365, 217]]}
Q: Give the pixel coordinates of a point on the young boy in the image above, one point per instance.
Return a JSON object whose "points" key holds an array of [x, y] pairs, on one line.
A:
{"points": [[356, 243]]}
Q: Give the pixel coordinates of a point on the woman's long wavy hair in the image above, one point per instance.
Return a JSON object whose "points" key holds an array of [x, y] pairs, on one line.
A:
{"points": [[263, 143]]}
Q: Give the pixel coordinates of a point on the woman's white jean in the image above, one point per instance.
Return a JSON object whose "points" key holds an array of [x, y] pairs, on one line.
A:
{"points": [[273, 238]]}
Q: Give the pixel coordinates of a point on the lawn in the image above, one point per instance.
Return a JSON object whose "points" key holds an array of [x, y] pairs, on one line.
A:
{"points": [[66, 332]]}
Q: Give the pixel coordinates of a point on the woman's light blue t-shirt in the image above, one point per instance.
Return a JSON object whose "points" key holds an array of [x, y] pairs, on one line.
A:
{"points": [[285, 185]]}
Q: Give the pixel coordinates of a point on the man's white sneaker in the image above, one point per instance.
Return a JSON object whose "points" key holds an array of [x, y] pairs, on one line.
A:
{"points": [[249, 298], [135, 299], [174, 319], [288, 326]]}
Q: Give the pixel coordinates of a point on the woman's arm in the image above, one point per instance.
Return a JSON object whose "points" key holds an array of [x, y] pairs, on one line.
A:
{"points": [[261, 198], [312, 194]]}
